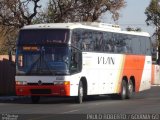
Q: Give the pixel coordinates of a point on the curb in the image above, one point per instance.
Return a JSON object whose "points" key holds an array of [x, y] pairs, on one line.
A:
{"points": [[10, 98], [155, 85]]}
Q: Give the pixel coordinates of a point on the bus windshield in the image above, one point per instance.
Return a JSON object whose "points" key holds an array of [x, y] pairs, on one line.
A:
{"points": [[43, 60], [43, 36]]}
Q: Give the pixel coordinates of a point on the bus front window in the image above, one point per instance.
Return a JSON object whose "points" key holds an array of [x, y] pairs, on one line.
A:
{"points": [[43, 36], [47, 60]]}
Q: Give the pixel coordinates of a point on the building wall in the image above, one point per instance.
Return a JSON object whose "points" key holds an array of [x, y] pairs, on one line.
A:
{"points": [[155, 75]]}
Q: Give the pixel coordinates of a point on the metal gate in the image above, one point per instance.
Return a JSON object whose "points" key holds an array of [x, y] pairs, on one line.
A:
{"points": [[7, 75]]}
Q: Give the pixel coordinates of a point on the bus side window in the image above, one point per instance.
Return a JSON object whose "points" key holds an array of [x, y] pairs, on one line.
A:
{"points": [[143, 45], [128, 44], [76, 39], [148, 45], [107, 42], [86, 40], [135, 45]]}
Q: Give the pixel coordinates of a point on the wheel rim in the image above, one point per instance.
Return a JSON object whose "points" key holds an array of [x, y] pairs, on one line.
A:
{"points": [[130, 88], [123, 91], [80, 94]]}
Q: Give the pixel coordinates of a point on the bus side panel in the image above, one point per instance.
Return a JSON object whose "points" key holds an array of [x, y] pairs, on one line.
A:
{"points": [[134, 67], [74, 83], [146, 75], [153, 74], [105, 77], [103, 72], [139, 67]]}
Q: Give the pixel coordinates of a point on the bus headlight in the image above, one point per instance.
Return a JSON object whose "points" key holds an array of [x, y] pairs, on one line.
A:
{"points": [[66, 83], [21, 83], [61, 82], [55, 83]]}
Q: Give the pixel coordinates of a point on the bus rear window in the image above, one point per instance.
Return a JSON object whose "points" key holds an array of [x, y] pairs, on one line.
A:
{"points": [[43, 36]]}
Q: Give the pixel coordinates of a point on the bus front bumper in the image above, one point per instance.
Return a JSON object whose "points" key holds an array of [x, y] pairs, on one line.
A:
{"points": [[43, 90]]}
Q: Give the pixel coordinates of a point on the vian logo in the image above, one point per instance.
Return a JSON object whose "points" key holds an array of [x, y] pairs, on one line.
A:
{"points": [[106, 60]]}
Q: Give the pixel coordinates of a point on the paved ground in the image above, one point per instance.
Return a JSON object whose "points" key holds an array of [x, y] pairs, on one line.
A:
{"points": [[144, 102]]}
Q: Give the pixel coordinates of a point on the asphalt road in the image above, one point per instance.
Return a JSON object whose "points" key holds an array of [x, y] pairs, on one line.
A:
{"points": [[145, 102]]}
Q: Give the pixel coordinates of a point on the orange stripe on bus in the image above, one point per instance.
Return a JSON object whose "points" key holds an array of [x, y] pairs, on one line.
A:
{"points": [[118, 83], [133, 66], [153, 72]]}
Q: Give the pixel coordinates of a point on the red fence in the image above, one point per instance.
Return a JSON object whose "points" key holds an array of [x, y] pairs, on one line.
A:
{"points": [[7, 75]]}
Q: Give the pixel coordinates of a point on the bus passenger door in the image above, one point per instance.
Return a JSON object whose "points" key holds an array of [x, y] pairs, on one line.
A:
{"points": [[76, 61]]}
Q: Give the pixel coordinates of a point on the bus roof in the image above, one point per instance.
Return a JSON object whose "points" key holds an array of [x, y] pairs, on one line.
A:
{"points": [[86, 25]]}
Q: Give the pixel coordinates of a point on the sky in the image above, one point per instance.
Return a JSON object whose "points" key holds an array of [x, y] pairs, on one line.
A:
{"points": [[133, 16]]}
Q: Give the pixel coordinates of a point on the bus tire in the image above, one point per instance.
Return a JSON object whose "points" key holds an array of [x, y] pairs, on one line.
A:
{"points": [[130, 90], [35, 99], [123, 93], [79, 98]]}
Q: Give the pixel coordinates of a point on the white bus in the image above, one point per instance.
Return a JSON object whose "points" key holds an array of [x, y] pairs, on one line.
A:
{"points": [[81, 59]]}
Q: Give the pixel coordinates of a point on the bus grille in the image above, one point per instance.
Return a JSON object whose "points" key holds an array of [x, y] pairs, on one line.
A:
{"points": [[41, 84], [40, 91]]}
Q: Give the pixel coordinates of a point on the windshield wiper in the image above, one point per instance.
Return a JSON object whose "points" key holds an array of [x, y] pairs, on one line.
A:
{"points": [[48, 66], [32, 66], [40, 60], [42, 66]]}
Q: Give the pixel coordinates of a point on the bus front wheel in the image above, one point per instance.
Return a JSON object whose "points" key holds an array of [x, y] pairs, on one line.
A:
{"points": [[35, 99], [79, 98]]}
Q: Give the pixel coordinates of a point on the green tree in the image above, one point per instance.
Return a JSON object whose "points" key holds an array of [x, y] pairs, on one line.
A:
{"points": [[153, 18], [80, 10]]}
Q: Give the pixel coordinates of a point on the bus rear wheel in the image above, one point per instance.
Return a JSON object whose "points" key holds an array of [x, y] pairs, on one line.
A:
{"points": [[79, 98], [130, 90], [35, 99]]}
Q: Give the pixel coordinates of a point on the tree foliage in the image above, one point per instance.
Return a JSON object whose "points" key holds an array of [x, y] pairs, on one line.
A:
{"points": [[7, 39], [80, 10], [153, 13], [17, 13], [153, 18], [14, 14]]}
